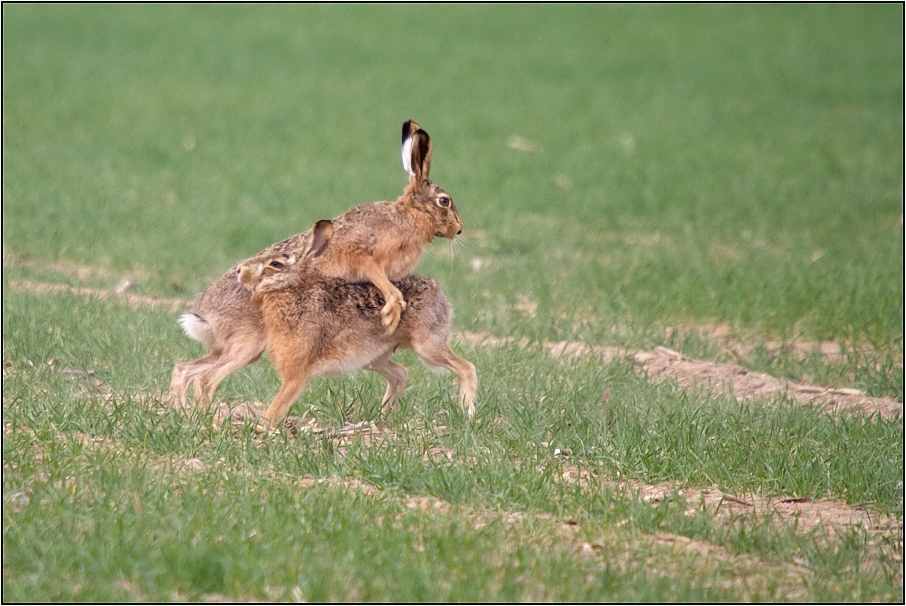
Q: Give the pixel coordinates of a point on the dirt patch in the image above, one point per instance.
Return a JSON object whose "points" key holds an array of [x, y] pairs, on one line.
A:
{"points": [[742, 383], [722, 336], [664, 363], [809, 514], [830, 515], [363, 432], [76, 270], [429, 504], [345, 483]]}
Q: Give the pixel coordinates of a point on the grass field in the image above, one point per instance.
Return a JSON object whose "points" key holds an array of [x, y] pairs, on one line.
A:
{"points": [[723, 181]]}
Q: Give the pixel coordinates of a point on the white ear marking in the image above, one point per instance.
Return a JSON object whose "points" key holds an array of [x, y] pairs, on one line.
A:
{"points": [[407, 156]]}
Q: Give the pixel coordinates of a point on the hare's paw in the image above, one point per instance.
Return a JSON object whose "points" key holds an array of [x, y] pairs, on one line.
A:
{"points": [[390, 315], [174, 400], [266, 426]]}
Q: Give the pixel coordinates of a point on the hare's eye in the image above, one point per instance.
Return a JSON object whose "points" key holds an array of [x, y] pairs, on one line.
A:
{"points": [[276, 264], [443, 201]]}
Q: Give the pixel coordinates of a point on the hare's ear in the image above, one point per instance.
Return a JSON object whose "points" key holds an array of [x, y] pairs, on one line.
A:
{"points": [[416, 152], [320, 236]]}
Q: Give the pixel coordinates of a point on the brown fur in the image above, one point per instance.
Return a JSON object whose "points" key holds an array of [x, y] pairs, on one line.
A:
{"points": [[377, 242], [318, 326]]}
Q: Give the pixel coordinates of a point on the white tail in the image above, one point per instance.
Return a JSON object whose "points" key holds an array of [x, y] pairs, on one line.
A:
{"points": [[195, 327]]}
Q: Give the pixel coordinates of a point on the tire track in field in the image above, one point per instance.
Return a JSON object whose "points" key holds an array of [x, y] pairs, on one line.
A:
{"points": [[660, 363], [721, 335], [829, 517], [566, 534], [121, 295], [569, 534], [719, 377]]}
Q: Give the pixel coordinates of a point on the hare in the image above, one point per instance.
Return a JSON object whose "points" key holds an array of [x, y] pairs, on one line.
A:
{"points": [[375, 241], [318, 326], [383, 241]]}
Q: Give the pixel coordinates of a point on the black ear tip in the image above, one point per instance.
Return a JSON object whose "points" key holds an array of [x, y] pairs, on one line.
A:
{"points": [[410, 129]]}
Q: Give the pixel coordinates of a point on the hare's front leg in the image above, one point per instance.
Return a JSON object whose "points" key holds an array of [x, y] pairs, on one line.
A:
{"points": [[290, 390], [393, 309], [394, 303]]}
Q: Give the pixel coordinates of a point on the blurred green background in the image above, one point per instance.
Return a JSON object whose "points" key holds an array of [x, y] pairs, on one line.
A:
{"points": [[618, 167]]}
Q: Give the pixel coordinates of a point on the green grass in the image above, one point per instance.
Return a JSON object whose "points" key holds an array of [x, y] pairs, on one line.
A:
{"points": [[620, 170], [131, 521], [693, 160]]}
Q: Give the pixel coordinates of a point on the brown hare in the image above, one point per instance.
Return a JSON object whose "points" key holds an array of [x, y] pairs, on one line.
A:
{"points": [[375, 241], [318, 326]]}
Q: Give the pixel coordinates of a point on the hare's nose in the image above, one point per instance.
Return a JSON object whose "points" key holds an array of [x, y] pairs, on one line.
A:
{"points": [[459, 232]]}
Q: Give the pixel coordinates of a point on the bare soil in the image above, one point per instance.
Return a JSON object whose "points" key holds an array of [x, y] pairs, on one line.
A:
{"points": [[666, 364], [722, 336], [123, 295]]}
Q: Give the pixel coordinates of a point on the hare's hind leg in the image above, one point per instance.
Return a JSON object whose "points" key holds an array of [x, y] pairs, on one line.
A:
{"points": [[186, 373], [395, 374], [439, 355], [238, 354], [179, 385]]}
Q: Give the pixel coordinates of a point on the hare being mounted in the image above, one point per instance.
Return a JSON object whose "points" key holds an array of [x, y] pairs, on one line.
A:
{"points": [[318, 326], [376, 241]]}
